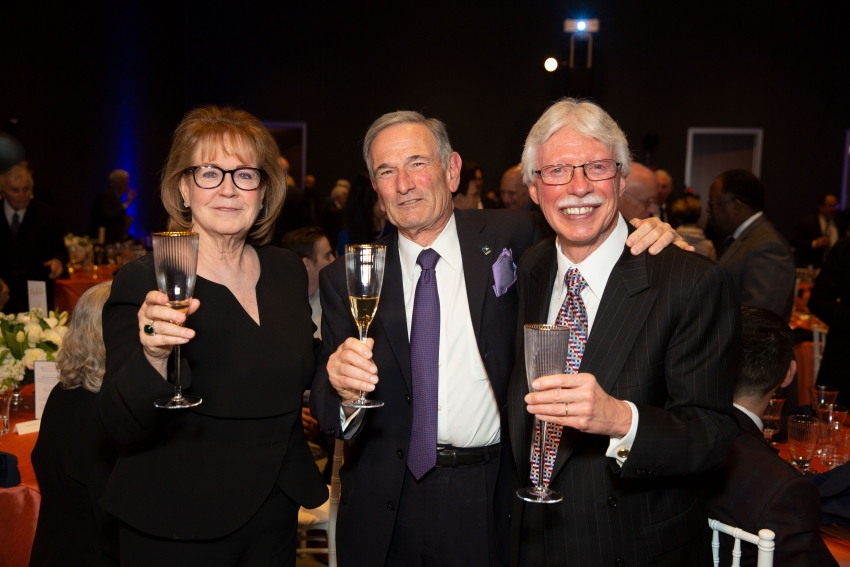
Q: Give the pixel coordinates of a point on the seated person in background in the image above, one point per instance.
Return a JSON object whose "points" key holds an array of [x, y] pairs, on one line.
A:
{"points": [[73, 456], [685, 213], [815, 235], [110, 209], [365, 220], [640, 198], [756, 489], [312, 246], [468, 194]]}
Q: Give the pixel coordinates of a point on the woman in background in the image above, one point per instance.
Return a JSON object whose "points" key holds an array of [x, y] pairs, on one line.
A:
{"points": [[73, 456]]}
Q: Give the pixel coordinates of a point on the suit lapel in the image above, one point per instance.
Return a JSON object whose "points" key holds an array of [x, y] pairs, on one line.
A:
{"points": [[626, 303], [391, 318], [477, 266], [739, 242]]}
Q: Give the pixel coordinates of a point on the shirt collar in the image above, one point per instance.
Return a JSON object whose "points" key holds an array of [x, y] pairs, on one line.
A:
{"points": [[596, 268], [446, 245], [756, 419], [743, 226], [7, 208]]}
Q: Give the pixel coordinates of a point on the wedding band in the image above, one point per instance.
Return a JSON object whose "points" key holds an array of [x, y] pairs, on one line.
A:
{"points": [[149, 330], [566, 409]]}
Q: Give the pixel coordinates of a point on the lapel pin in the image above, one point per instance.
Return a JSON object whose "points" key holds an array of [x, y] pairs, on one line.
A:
{"points": [[486, 250]]}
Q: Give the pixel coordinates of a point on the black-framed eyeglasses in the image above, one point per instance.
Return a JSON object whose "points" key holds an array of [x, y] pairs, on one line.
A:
{"points": [[562, 173], [211, 176], [712, 203], [651, 202]]}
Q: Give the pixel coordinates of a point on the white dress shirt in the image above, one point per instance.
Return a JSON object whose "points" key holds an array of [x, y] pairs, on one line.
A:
{"points": [[467, 412], [595, 270], [743, 226], [316, 307], [756, 419], [827, 228], [9, 211]]}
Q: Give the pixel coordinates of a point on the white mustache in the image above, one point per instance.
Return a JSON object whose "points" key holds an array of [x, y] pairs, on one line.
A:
{"points": [[589, 201]]}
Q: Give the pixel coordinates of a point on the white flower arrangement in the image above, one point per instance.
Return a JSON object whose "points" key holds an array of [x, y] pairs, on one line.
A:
{"points": [[26, 338]]}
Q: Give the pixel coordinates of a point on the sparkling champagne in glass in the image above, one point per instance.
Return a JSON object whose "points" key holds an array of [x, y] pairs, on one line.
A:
{"points": [[545, 354], [175, 258], [364, 268], [772, 416]]}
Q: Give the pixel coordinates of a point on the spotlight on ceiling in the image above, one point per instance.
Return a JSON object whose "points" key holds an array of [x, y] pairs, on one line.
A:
{"points": [[581, 25], [550, 64]]}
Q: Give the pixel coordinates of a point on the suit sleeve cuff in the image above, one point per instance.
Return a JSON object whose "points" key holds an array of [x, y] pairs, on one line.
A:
{"points": [[619, 448], [351, 424]]}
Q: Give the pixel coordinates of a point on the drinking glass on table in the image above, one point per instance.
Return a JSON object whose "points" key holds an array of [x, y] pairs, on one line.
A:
{"points": [[820, 395], [771, 416], [545, 354], [175, 258], [802, 438], [831, 417], [364, 274]]}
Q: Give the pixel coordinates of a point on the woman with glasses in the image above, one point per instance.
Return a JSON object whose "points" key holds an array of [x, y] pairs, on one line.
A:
{"points": [[220, 483]]}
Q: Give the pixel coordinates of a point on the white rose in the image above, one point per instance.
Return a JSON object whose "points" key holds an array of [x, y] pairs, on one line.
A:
{"points": [[31, 355], [34, 333], [52, 336], [51, 321], [25, 318], [62, 330]]}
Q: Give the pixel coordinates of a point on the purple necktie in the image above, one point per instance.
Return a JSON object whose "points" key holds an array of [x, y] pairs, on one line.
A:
{"points": [[424, 363], [16, 224]]}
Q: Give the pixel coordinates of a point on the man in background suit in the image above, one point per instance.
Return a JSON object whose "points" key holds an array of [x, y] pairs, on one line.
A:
{"points": [[756, 489], [759, 259], [31, 245], [110, 209], [428, 480], [645, 405], [664, 184], [816, 234]]}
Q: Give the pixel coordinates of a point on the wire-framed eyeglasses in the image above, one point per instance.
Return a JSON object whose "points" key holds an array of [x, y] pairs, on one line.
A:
{"points": [[211, 176], [562, 173]]}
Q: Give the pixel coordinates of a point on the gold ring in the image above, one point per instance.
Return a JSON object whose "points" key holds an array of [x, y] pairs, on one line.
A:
{"points": [[566, 409]]}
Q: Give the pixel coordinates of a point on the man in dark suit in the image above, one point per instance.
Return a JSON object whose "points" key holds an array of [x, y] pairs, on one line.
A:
{"points": [[664, 184], [428, 480], [110, 209], [756, 489], [759, 259], [830, 300], [31, 245], [645, 405], [816, 234]]}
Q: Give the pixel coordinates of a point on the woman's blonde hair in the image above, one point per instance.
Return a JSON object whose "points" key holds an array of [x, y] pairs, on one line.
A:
{"points": [[229, 129], [82, 360]]}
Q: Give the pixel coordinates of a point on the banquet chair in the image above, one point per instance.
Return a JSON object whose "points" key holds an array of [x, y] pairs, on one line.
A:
{"points": [[323, 517], [819, 338], [764, 541]]}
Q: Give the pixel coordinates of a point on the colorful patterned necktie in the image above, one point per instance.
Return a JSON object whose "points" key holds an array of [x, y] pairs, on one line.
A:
{"points": [[573, 315], [424, 366]]}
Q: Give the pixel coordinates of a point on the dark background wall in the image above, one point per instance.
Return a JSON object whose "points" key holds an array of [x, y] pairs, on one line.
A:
{"points": [[103, 85]]}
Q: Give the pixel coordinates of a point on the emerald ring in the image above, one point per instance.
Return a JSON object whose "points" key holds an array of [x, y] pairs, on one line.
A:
{"points": [[149, 330]]}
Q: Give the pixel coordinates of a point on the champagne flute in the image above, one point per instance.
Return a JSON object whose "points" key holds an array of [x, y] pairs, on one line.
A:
{"points": [[175, 258], [771, 416], [364, 270], [545, 354]]}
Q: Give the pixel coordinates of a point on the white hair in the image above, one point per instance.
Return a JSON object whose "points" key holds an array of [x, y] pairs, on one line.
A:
{"points": [[584, 117]]}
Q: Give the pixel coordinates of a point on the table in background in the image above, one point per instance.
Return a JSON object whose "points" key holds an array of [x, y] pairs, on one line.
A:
{"points": [[20, 503], [66, 292]]}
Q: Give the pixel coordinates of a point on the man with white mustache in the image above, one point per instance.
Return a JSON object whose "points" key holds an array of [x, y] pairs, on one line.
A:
{"points": [[645, 399]]}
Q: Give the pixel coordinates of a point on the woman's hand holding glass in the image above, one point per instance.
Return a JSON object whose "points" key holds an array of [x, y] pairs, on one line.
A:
{"points": [[167, 328]]}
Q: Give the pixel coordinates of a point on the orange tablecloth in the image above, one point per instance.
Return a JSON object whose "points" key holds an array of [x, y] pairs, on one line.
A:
{"points": [[66, 292], [19, 504]]}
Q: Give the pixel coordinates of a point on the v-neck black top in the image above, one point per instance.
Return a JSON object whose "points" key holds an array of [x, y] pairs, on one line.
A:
{"points": [[202, 473]]}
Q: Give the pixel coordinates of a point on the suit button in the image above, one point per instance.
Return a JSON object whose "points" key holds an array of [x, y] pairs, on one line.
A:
{"points": [[407, 397], [612, 502], [390, 505], [400, 453], [620, 562]]}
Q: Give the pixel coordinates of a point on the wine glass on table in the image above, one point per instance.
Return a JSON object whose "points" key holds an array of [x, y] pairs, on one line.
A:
{"points": [[831, 417], [175, 258], [771, 416], [545, 354], [802, 438], [364, 271]]}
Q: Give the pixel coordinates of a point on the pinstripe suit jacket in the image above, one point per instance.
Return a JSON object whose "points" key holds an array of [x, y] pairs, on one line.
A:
{"points": [[665, 339]]}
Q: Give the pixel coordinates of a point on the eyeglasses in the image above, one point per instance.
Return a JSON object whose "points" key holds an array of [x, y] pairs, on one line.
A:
{"points": [[712, 203], [648, 203], [562, 173], [211, 176]]}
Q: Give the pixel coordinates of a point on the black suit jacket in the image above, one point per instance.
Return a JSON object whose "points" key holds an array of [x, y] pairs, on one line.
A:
{"points": [[757, 490], [373, 473], [39, 239], [808, 230], [108, 212], [222, 459], [665, 339], [830, 300]]}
